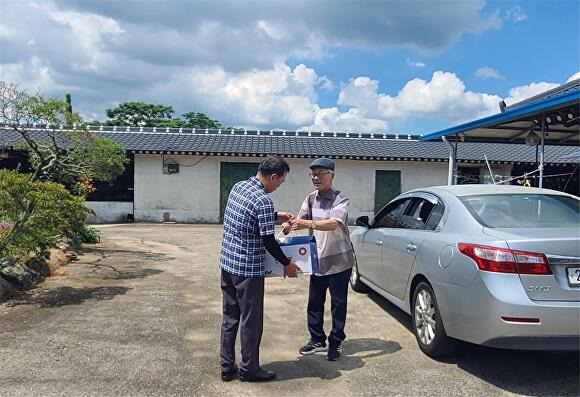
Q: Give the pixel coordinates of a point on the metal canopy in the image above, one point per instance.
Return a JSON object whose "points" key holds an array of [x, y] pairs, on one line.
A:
{"points": [[551, 118], [574, 155], [560, 113]]}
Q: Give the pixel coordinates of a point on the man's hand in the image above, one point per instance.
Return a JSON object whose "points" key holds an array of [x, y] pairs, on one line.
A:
{"points": [[285, 216], [299, 224], [286, 227], [291, 269]]}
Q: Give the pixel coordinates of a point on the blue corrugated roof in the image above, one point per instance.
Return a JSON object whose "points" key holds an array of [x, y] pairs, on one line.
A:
{"points": [[563, 100]]}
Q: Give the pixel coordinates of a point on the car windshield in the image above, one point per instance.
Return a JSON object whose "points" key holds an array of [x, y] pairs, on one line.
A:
{"points": [[523, 210]]}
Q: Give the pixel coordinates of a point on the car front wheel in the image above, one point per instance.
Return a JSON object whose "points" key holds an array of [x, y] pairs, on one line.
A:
{"points": [[427, 324]]}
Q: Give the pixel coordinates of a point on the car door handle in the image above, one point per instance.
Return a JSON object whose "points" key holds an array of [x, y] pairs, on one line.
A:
{"points": [[379, 242], [411, 247]]}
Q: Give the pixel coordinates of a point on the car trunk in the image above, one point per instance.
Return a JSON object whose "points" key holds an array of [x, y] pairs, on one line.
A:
{"points": [[562, 248]]}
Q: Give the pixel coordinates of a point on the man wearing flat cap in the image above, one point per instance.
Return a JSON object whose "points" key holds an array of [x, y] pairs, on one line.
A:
{"points": [[324, 213]]}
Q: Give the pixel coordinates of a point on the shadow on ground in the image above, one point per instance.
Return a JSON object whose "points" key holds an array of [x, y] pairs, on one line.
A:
{"points": [[64, 296], [131, 268], [355, 351], [403, 318], [532, 373]]}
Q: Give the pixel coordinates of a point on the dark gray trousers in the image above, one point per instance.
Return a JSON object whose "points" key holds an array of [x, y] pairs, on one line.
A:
{"points": [[243, 308], [338, 285]]}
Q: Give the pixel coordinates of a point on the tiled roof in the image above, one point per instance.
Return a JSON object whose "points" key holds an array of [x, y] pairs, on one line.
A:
{"points": [[307, 144]]}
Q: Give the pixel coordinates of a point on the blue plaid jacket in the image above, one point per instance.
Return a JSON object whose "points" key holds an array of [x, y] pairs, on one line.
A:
{"points": [[249, 215]]}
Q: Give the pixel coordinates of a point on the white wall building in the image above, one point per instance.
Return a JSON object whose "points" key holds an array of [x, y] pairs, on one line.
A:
{"points": [[193, 194], [184, 175]]}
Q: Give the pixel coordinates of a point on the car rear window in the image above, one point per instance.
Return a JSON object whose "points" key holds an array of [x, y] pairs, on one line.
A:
{"points": [[523, 210]]}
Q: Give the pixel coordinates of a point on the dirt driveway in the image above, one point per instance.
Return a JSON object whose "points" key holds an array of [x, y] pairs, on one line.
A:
{"points": [[139, 314]]}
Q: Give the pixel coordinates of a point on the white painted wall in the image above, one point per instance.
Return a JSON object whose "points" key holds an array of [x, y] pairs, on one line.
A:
{"points": [[356, 179], [108, 211], [192, 195]]}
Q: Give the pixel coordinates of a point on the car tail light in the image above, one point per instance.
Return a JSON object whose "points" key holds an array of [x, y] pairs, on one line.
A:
{"points": [[502, 260], [532, 263]]}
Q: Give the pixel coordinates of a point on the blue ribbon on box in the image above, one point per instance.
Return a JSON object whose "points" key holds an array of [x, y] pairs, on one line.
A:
{"points": [[302, 240]]}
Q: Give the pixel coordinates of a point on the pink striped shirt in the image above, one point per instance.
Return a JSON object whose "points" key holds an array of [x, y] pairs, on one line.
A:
{"points": [[335, 252]]}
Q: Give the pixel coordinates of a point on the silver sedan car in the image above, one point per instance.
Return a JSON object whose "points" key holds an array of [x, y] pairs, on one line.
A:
{"points": [[493, 265]]}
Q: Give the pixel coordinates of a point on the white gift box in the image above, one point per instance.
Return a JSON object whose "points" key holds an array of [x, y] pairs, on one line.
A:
{"points": [[301, 250]]}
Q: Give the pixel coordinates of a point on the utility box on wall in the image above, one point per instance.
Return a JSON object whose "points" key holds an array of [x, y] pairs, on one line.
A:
{"points": [[172, 168]]}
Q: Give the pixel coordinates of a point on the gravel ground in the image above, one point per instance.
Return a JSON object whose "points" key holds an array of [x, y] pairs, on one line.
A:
{"points": [[140, 313]]}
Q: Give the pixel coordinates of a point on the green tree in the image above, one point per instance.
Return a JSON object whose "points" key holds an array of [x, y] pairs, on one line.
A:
{"points": [[140, 114], [200, 120], [69, 155]]}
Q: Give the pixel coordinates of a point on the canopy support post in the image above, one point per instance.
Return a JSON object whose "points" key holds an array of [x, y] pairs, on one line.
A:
{"points": [[452, 174], [541, 184]]}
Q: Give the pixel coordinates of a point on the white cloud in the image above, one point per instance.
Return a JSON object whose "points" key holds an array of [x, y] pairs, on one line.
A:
{"points": [[325, 83], [243, 35], [280, 97], [331, 119], [574, 77], [516, 14], [272, 30], [231, 62], [6, 31], [416, 64], [487, 72], [286, 98], [34, 75], [90, 30], [520, 93], [444, 97]]}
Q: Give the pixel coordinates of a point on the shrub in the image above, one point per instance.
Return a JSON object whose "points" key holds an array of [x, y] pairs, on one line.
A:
{"points": [[40, 214], [89, 235]]}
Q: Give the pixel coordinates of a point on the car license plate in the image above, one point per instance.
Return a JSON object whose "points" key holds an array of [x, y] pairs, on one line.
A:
{"points": [[573, 276]]}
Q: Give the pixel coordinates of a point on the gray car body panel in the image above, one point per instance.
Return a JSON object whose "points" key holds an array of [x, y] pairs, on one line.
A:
{"points": [[560, 245], [472, 302]]}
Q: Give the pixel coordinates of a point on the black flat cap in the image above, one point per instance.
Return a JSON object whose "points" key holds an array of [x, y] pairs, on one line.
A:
{"points": [[323, 162]]}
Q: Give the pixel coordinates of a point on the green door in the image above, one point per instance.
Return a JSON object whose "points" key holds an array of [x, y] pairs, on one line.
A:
{"points": [[387, 187], [230, 174]]}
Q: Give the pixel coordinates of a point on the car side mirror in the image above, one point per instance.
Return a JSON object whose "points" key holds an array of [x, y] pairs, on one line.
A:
{"points": [[362, 221]]}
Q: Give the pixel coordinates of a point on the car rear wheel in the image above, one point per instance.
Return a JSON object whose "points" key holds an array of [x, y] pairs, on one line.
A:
{"points": [[355, 283], [427, 324]]}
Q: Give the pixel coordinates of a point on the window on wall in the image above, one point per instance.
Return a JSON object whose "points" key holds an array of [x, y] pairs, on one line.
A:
{"points": [[230, 174], [387, 187]]}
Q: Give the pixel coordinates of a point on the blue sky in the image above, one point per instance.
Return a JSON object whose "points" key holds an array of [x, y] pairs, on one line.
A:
{"points": [[396, 66]]}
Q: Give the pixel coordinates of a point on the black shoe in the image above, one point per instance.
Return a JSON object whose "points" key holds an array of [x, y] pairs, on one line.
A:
{"points": [[312, 347], [333, 353], [230, 374], [258, 376]]}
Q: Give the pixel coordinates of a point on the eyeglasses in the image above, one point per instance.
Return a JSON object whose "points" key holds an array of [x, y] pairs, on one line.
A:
{"points": [[318, 175]]}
